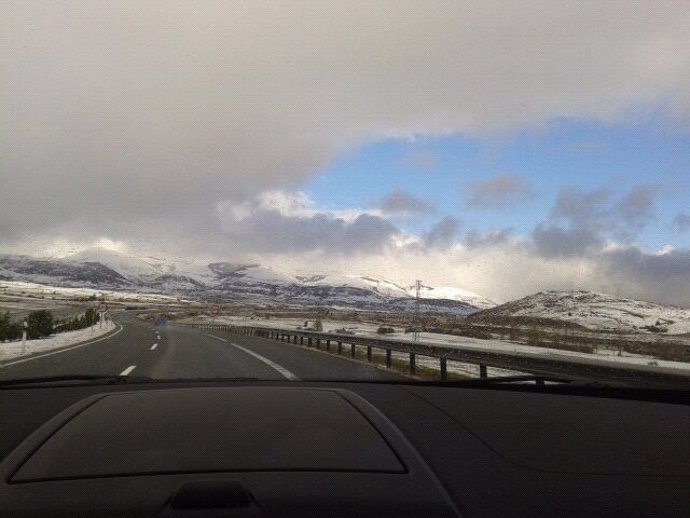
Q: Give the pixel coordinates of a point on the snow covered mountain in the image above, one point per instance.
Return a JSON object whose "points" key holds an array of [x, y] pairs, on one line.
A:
{"points": [[105, 269], [594, 311]]}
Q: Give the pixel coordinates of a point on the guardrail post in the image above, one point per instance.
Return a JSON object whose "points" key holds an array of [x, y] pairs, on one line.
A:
{"points": [[340, 347], [318, 343], [389, 359], [482, 370], [294, 339], [413, 363], [309, 342], [444, 369], [352, 350], [328, 345], [301, 340], [368, 353]]}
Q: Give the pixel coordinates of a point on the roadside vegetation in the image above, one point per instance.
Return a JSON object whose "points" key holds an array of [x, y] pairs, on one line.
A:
{"points": [[41, 323]]}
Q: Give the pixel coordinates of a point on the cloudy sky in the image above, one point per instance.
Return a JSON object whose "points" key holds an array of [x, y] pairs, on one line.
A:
{"points": [[502, 147]]}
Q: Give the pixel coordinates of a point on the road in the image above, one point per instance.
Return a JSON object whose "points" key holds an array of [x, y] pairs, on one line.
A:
{"points": [[140, 349]]}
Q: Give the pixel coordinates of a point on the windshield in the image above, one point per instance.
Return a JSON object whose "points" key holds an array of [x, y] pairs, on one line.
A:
{"points": [[430, 191]]}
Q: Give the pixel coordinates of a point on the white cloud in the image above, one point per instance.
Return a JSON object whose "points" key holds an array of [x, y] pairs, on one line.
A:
{"points": [[158, 111]]}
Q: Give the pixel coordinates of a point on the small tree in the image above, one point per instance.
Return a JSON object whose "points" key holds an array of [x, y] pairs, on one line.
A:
{"points": [[8, 330], [90, 317], [318, 325], [40, 323]]}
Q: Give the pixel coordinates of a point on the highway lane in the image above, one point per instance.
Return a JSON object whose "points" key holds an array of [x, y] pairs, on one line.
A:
{"points": [[172, 351]]}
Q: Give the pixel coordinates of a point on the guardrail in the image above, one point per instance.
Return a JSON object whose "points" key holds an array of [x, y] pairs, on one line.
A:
{"points": [[542, 364]]}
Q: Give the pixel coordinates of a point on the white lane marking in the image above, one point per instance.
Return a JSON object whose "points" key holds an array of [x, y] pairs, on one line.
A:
{"points": [[128, 370], [153, 347], [216, 337], [71, 348], [281, 370]]}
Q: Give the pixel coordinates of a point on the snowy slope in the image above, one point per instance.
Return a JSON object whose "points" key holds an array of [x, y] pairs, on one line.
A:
{"points": [[596, 311], [254, 283], [131, 267]]}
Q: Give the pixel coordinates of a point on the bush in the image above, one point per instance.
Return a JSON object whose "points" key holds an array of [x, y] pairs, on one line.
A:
{"points": [[89, 318], [9, 330], [40, 323], [384, 330]]}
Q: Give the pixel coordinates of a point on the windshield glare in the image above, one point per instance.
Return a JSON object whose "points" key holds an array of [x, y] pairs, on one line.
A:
{"points": [[389, 191]]}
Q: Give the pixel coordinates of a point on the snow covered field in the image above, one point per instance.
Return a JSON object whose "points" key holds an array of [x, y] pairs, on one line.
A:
{"points": [[12, 350], [22, 289], [366, 329], [598, 311]]}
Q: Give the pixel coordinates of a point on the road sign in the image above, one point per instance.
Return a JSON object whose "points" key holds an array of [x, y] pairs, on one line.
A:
{"points": [[102, 307], [215, 310]]}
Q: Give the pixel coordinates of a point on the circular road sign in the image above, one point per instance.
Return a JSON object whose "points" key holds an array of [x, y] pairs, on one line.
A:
{"points": [[102, 307], [215, 310]]}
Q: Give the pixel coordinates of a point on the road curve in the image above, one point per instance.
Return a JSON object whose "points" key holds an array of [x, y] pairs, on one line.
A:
{"points": [[141, 349]]}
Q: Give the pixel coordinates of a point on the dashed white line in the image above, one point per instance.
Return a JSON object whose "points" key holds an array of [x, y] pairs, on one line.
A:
{"points": [[128, 370], [153, 347], [281, 370]]}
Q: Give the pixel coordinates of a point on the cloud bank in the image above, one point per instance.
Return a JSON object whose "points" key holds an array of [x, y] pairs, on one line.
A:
{"points": [[164, 125]]}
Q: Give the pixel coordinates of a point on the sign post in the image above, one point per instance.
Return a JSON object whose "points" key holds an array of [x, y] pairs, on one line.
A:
{"points": [[26, 325], [102, 310]]}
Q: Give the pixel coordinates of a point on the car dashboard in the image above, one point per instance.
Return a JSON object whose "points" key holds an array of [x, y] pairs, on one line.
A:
{"points": [[247, 448]]}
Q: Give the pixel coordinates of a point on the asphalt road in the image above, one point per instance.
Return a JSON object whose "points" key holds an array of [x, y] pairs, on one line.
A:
{"points": [[140, 349]]}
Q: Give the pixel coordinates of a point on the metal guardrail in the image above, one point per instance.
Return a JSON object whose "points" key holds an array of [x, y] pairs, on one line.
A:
{"points": [[564, 367]]}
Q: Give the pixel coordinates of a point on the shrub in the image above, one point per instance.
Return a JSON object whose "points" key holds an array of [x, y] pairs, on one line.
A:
{"points": [[384, 330], [40, 323]]}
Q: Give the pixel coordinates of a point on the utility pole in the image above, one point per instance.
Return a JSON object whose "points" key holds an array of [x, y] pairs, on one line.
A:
{"points": [[418, 290]]}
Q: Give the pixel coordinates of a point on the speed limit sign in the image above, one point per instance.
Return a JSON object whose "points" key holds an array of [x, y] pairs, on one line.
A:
{"points": [[102, 307], [215, 310]]}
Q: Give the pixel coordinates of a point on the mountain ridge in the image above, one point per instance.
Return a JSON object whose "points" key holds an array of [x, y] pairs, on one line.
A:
{"points": [[250, 282]]}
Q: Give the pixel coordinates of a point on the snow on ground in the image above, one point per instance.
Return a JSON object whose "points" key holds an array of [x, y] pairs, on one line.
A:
{"points": [[598, 311], [12, 288], [367, 329], [11, 350]]}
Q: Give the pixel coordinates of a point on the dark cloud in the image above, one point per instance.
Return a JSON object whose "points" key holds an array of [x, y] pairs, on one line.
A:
{"points": [[443, 233], [401, 203], [663, 277], [497, 237], [500, 192], [270, 231], [581, 220], [582, 207], [681, 222], [554, 241], [636, 208]]}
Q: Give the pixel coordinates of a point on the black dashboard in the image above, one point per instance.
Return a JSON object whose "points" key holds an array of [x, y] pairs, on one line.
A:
{"points": [[245, 448]]}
